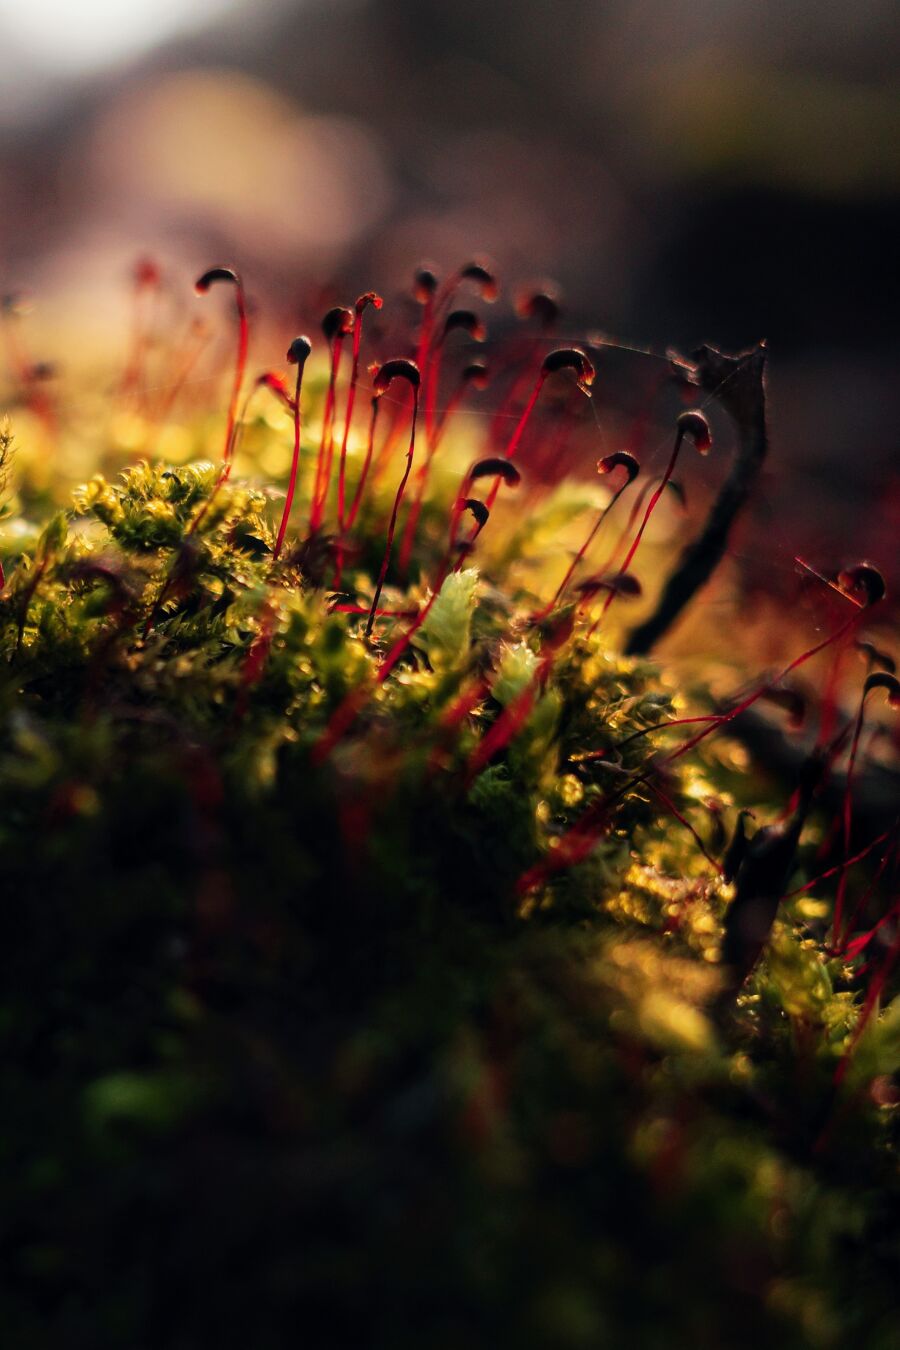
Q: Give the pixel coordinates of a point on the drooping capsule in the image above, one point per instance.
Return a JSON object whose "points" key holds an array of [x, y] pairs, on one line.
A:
{"points": [[398, 368], [570, 358], [494, 467], [483, 277], [540, 302], [299, 350], [466, 321], [203, 283], [864, 577], [338, 322], [694, 425], [476, 374], [425, 283], [478, 510], [620, 459]]}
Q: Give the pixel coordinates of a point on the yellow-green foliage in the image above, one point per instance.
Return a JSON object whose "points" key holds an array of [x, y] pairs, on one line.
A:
{"points": [[260, 896]]}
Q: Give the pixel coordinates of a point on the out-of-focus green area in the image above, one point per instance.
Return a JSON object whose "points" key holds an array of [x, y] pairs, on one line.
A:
{"points": [[285, 1043]]}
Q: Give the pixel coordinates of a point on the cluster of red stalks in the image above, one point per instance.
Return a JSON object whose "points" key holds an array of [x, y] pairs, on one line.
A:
{"points": [[422, 402], [761, 866]]}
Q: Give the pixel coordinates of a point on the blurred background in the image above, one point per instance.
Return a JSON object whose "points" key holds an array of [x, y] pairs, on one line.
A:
{"points": [[686, 169]]}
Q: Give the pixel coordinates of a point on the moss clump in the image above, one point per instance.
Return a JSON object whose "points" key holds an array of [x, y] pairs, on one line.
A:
{"points": [[291, 1051]]}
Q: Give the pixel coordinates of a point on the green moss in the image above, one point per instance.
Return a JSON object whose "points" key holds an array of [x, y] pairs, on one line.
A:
{"points": [[287, 1046]]}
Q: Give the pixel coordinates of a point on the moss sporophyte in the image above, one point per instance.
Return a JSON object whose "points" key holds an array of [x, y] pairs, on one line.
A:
{"points": [[385, 923]]}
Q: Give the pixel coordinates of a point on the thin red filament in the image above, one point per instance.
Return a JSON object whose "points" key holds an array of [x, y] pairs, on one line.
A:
{"points": [[183, 362], [296, 353], [392, 524], [577, 843], [508, 724], [326, 443], [364, 472], [346, 713], [240, 363], [369, 298], [474, 374], [651, 507], [873, 682], [592, 534], [515, 439]]}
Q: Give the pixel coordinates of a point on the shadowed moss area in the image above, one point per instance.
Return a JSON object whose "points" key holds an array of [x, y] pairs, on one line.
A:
{"points": [[292, 1055]]}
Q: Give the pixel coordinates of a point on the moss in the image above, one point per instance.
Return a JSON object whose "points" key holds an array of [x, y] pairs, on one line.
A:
{"points": [[289, 1050]]}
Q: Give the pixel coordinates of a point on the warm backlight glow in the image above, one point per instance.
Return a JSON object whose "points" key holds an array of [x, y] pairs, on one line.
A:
{"points": [[91, 34]]}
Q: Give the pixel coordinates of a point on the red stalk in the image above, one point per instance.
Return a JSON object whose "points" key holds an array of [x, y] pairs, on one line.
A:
{"points": [[838, 867], [336, 325], [475, 374], [297, 354], [877, 680], [425, 285], [515, 391], [255, 660], [846, 947], [508, 724], [691, 424], [340, 722], [268, 380], [455, 714], [146, 281], [682, 820], [395, 428], [364, 472], [858, 945], [564, 358], [876, 985], [482, 515], [582, 836], [572, 848], [436, 301], [551, 450], [29, 374], [346, 713], [482, 277], [370, 298], [514, 441], [182, 366], [790, 699], [828, 707], [540, 302], [201, 286], [620, 460], [464, 320], [863, 576], [612, 561], [408, 371], [514, 716], [347, 608], [13, 307], [504, 472]]}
